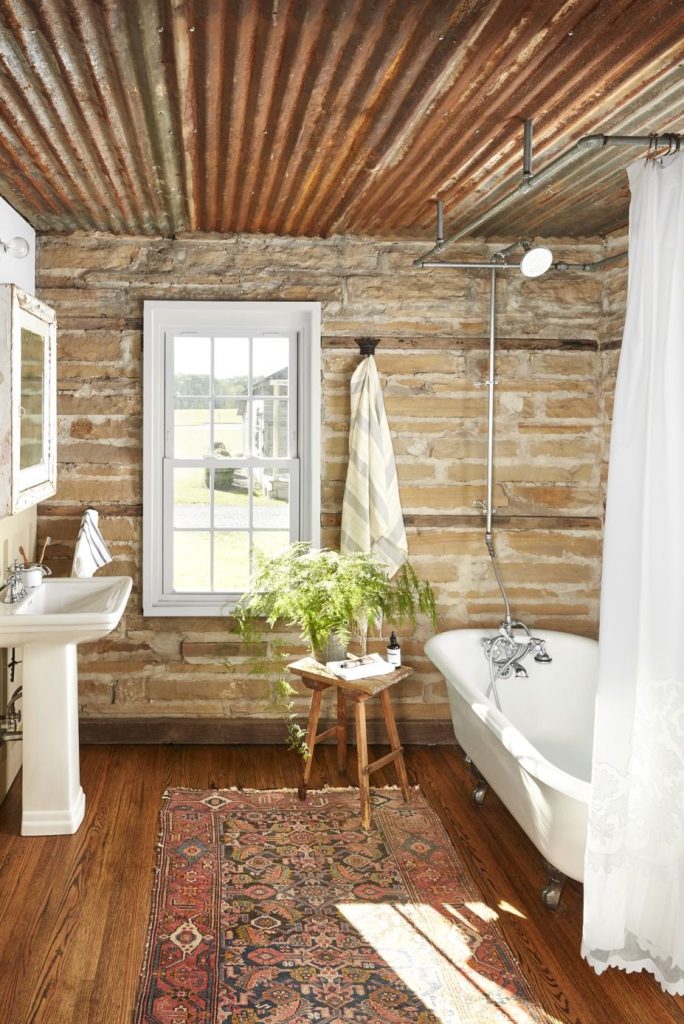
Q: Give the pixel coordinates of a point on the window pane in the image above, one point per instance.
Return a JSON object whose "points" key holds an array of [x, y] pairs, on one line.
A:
{"points": [[231, 501], [231, 561], [191, 365], [271, 439], [231, 427], [191, 562], [225, 483], [231, 366], [272, 499], [270, 366], [191, 428], [271, 542], [191, 498]]}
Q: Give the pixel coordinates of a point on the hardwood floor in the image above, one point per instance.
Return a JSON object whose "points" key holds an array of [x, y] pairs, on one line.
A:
{"points": [[74, 909]]}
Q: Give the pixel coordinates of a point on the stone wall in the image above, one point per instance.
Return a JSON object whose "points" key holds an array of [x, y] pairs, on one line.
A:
{"points": [[433, 325]]}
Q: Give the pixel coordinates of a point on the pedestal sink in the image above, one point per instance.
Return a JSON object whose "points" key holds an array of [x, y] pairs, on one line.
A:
{"points": [[47, 624]]}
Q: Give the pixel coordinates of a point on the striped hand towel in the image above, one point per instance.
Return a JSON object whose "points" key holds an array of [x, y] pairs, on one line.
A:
{"points": [[91, 551], [371, 510]]}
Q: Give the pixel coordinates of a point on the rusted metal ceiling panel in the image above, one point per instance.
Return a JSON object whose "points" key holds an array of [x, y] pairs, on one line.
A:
{"points": [[314, 117]]}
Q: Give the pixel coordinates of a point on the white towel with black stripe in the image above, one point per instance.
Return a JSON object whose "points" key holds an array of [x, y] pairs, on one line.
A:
{"points": [[91, 551], [372, 519]]}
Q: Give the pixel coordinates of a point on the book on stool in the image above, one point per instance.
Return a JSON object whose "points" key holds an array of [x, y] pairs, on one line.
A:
{"points": [[360, 668]]}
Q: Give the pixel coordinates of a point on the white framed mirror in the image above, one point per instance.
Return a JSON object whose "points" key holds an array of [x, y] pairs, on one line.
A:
{"points": [[28, 400]]}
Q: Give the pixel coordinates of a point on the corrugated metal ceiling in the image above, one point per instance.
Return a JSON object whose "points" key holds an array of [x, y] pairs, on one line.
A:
{"points": [[314, 117]]}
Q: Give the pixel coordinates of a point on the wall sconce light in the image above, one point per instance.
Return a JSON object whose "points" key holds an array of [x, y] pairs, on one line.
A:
{"points": [[17, 247]]}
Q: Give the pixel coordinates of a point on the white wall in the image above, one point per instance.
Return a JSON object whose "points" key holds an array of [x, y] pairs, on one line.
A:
{"points": [[14, 531], [13, 271], [19, 529]]}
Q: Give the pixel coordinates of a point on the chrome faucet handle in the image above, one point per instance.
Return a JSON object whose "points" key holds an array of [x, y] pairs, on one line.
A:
{"points": [[542, 655], [12, 572], [14, 585]]}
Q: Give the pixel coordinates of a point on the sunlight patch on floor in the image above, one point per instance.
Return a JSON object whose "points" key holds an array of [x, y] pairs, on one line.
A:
{"points": [[428, 952], [484, 912], [508, 908]]}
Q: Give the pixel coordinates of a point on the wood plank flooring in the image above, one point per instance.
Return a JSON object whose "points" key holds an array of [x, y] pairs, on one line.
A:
{"points": [[74, 909]]}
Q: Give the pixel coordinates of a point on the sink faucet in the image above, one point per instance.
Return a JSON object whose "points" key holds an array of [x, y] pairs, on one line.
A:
{"points": [[14, 586]]}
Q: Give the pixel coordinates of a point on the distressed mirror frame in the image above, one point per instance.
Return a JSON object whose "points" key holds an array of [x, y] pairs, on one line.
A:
{"points": [[24, 486]]}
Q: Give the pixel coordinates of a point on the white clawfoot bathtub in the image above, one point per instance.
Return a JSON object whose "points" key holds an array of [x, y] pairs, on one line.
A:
{"points": [[536, 752]]}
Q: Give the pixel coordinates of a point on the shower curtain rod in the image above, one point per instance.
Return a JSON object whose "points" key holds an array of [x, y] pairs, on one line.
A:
{"points": [[530, 180]]}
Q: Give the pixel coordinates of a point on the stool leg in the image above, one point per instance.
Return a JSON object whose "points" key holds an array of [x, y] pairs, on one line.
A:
{"points": [[311, 730], [341, 731], [395, 743], [362, 752]]}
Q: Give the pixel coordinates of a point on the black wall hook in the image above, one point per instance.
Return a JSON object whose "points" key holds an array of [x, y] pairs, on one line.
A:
{"points": [[367, 346]]}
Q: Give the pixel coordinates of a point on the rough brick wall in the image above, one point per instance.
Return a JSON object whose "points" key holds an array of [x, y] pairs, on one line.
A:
{"points": [[433, 325]]}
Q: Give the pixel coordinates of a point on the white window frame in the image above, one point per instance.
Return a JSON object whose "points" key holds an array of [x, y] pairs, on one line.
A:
{"points": [[164, 317]]}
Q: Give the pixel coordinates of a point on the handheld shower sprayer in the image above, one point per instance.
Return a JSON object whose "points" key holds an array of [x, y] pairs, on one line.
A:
{"points": [[489, 541]]}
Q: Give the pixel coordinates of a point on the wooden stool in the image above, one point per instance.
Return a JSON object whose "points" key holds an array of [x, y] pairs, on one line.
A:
{"points": [[317, 678]]}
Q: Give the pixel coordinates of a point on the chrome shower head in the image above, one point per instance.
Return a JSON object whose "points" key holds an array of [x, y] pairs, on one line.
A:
{"points": [[536, 260]]}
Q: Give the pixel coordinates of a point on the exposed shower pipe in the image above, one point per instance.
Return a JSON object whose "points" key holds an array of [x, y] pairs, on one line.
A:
{"points": [[10, 725], [596, 265], [491, 381], [560, 265], [440, 221], [478, 266], [10, 736], [530, 180], [527, 151], [491, 384]]}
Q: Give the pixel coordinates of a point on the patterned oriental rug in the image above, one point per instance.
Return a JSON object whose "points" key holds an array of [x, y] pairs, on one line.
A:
{"points": [[268, 909]]}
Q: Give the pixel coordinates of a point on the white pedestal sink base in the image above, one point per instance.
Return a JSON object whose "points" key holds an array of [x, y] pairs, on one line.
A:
{"points": [[54, 823], [47, 624], [52, 797]]}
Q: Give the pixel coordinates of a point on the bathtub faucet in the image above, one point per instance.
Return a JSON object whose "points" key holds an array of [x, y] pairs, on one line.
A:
{"points": [[506, 652], [529, 642]]}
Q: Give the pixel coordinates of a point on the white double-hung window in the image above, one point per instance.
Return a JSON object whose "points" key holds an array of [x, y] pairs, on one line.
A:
{"points": [[231, 446]]}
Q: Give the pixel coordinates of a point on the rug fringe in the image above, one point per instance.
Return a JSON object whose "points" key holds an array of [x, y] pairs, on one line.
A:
{"points": [[291, 789], [156, 868]]}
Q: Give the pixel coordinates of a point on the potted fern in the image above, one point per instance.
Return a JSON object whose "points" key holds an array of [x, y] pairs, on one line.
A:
{"points": [[330, 598]]}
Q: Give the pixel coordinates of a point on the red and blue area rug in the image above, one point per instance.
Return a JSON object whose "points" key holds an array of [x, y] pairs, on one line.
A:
{"points": [[268, 909]]}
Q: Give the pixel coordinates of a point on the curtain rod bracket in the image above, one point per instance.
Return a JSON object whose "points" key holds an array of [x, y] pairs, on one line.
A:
{"points": [[367, 346]]}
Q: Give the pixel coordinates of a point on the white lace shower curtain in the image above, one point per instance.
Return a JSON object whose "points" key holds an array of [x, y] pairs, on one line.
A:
{"points": [[634, 875]]}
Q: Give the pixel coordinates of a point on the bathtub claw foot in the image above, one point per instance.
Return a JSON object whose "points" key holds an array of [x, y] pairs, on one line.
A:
{"points": [[482, 787], [551, 893], [479, 793]]}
